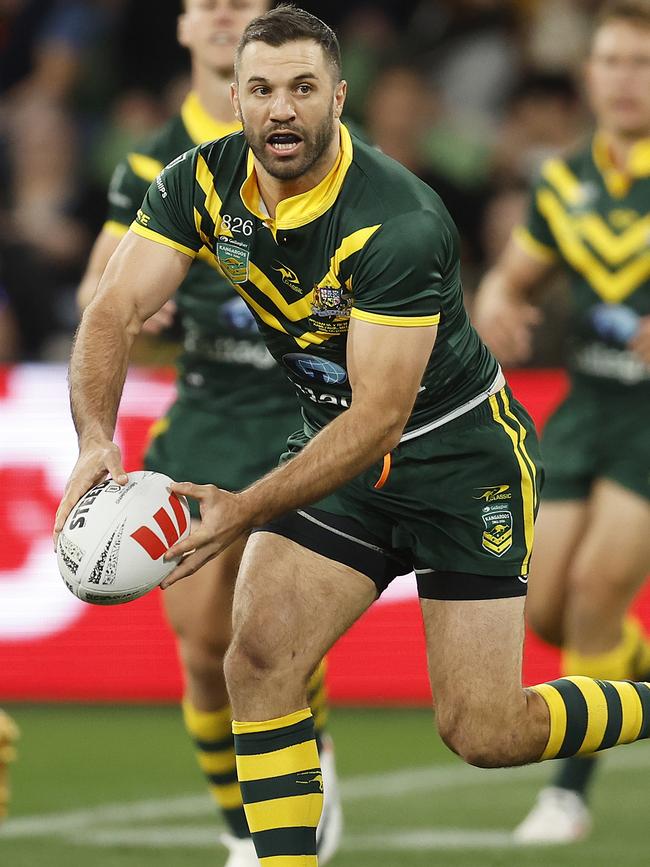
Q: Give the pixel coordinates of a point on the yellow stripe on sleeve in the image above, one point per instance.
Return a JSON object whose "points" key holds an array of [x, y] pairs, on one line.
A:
{"points": [[557, 712], [117, 230], [532, 246], [150, 235], [398, 321], [145, 167]]}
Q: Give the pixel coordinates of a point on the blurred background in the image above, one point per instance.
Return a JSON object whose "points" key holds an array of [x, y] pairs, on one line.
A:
{"points": [[472, 95]]}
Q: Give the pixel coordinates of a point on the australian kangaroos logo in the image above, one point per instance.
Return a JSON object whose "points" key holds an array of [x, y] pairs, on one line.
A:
{"points": [[497, 518], [233, 256]]}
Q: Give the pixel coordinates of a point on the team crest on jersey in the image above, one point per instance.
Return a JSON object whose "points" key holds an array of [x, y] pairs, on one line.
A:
{"points": [[330, 309], [497, 536], [233, 256]]}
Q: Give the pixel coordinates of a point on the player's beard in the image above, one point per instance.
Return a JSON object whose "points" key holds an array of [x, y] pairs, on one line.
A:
{"points": [[314, 144]]}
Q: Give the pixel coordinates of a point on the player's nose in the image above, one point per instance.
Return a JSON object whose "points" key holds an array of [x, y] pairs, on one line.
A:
{"points": [[282, 108]]}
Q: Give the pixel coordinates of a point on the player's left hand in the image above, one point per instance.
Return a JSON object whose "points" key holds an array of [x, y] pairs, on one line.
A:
{"points": [[222, 522], [640, 343]]}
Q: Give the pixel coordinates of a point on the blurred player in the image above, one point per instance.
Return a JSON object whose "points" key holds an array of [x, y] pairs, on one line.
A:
{"points": [[590, 214], [229, 422], [8, 737]]}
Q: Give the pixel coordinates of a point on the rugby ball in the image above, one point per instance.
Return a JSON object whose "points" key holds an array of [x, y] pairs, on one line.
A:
{"points": [[112, 544]]}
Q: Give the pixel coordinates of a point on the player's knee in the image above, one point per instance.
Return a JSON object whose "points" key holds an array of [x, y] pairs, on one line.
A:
{"points": [[478, 739], [594, 585], [203, 659], [545, 624]]}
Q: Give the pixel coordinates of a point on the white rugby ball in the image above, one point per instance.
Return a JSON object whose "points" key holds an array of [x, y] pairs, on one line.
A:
{"points": [[111, 547]]}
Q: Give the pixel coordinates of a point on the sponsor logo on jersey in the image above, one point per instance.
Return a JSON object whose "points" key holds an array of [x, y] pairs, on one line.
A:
{"points": [[318, 369], [494, 492], [289, 277], [150, 541], [233, 257], [497, 536]]}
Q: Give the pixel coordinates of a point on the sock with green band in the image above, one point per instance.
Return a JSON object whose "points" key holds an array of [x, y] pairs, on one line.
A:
{"points": [[588, 715], [619, 663], [282, 787], [212, 734]]}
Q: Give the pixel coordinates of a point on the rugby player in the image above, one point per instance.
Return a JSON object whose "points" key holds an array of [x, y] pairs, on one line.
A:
{"points": [[8, 738], [413, 452], [590, 215], [229, 422]]}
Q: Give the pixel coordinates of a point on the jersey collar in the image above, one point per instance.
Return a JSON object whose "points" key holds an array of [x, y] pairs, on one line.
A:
{"points": [[617, 181], [200, 125], [305, 207]]}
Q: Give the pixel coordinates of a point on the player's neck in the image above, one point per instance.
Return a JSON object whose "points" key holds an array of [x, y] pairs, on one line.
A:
{"points": [[620, 146], [274, 190], [213, 91]]}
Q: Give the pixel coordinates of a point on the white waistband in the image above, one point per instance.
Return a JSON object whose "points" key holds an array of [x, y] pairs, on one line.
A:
{"points": [[497, 385]]}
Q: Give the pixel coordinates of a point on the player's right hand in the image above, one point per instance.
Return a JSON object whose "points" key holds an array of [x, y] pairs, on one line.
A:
{"points": [[161, 320], [506, 326], [97, 459], [8, 737]]}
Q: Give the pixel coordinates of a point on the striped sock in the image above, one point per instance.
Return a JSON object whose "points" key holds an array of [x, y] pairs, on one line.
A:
{"points": [[282, 785], [318, 701], [589, 715], [211, 732]]}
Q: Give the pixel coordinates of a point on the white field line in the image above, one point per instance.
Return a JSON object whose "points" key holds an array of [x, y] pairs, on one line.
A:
{"points": [[389, 785]]}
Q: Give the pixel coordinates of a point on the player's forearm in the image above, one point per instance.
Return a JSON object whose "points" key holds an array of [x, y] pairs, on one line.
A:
{"points": [[98, 369], [344, 448]]}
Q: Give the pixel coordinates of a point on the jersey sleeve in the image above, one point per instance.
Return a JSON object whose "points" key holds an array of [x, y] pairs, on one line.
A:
{"points": [[127, 189], [167, 212], [534, 235], [401, 271]]}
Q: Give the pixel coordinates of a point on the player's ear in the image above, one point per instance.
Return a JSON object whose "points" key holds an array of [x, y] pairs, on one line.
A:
{"points": [[340, 92], [181, 26], [234, 98]]}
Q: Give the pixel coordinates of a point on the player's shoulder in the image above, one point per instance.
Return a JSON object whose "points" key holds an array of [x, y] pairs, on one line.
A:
{"points": [[568, 167], [401, 201], [150, 155], [224, 154]]}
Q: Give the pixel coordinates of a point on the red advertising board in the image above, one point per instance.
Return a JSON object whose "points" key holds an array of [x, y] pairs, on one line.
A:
{"points": [[53, 647]]}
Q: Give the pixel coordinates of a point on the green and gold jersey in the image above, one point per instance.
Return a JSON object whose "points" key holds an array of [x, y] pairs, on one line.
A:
{"points": [[596, 220], [370, 242], [223, 357]]}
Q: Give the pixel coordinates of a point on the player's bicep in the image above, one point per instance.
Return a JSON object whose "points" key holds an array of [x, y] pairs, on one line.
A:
{"points": [[386, 364], [103, 248], [140, 277], [522, 268]]}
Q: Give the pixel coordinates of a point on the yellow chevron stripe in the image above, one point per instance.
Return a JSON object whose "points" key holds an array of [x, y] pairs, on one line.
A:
{"points": [[145, 167], [150, 235], [295, 310], [527, 486], [611, 286], [213, 202], [532, 246], [614, 248], [297, 811], [560, 176], [558, 719], [632, 711], [301, 757], [348, 246], [228, 797]]}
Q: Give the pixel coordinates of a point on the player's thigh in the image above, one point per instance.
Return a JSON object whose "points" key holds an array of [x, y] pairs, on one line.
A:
{"points": [[559, 528], [199, 608], [614, 553], [291, 603]]}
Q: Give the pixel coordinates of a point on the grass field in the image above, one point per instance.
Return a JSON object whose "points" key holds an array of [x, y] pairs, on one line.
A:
{"points": [[117, 787]]}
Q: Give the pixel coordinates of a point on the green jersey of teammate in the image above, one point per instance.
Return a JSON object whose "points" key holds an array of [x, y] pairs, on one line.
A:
{"points": [[371, 241], [596, 218], [223, 353]]}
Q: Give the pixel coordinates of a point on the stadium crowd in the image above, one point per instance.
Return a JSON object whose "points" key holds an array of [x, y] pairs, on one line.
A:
{"points": [[470, 94]]}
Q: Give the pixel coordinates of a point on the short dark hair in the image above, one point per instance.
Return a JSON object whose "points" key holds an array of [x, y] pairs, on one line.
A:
{"points": [[287, 23], [633, 11]]}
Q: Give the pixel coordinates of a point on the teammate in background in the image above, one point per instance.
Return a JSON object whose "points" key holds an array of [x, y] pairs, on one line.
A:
{"points": [[229, 422], [8, 738], [590, 214], [407, 421]]}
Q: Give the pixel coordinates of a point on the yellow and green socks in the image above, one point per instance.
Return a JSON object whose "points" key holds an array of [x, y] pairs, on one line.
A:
{"points": [[282, 787], [211, 732], [588, 715]]}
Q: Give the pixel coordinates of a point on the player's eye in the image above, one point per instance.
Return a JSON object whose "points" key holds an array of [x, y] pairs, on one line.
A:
{"points": [[304, 88]]}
